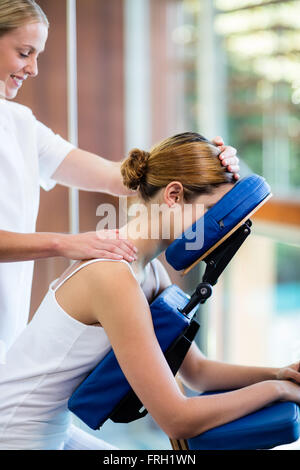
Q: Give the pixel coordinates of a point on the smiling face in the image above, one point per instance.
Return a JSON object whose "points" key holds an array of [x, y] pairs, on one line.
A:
{"points": [[19, 51]]}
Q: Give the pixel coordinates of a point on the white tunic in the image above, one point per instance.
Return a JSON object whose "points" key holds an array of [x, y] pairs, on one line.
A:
{"points": [[30, 153]]}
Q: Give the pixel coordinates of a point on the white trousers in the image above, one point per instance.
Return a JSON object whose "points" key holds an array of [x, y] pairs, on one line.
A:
{"points": [[81, 440]]}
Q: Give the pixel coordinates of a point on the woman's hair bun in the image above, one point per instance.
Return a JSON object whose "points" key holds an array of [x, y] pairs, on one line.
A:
{"points": [[134, 168]]}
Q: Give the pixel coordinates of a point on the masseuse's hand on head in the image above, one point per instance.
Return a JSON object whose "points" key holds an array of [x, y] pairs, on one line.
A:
{"points": [[228, 157], [101, 244]]}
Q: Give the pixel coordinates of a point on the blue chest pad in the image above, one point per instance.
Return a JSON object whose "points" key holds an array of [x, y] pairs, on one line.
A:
{"points": [[106, 394]]}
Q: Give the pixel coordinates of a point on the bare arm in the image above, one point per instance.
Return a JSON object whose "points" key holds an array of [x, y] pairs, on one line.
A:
{"points": [[127, 321], [201, 374], [24, 247], [31, 246], [90, 172], [87, 171]]}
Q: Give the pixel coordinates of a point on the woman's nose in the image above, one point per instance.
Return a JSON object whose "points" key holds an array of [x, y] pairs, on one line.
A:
{"points": [[31, 68]]}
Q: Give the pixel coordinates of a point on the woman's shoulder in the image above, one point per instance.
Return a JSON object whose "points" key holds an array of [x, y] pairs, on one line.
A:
{"points": [[85, 285], [18, 109], [20, 114], [100, 273], [95, 269]]}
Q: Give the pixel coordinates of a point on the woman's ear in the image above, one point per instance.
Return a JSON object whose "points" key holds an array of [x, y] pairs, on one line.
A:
{"points": [[173, 194]]}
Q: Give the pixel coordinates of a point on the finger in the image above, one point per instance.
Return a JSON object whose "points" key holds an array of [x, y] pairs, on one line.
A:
{"points": [[231, 161], [120, 248], [114, 237], [111, 254], [294, 375], [228, 152], [130, 245], [108, 234], [233, 169], [236, 176], [218, 140], [121, 239], [108, 255], [127, 247]]}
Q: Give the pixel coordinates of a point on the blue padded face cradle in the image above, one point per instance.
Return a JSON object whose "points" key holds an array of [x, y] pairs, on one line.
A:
{"points": [[226, 214]]}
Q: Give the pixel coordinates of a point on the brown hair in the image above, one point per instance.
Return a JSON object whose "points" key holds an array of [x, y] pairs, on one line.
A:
{"points": [[16, 13], [188, 158]]}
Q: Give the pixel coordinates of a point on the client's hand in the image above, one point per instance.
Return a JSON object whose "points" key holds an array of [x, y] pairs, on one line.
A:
{"points": [[228, 157], [289, 391], [291, 372]]}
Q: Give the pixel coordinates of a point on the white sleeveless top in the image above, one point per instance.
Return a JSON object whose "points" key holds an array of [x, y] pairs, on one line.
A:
{"points": [[47, 362]]}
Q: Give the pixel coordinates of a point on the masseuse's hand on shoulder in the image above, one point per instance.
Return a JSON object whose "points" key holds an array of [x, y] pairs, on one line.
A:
{"points": [[228, 157], [101, 244], [31, 246]]}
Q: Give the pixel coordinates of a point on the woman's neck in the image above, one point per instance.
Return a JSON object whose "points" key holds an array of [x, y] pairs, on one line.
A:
{"points": [[148, 246]]}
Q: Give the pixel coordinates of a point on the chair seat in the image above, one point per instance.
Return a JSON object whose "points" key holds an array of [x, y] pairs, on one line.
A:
{"points": [[269, 427]]}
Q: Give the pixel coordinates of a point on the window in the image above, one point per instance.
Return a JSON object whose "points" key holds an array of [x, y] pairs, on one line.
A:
{"points": [[238, 70]]}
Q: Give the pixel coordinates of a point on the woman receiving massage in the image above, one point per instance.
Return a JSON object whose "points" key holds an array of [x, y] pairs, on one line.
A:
{"points": [[83, 315]]}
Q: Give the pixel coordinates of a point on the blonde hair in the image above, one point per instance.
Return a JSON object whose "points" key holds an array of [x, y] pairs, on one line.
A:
{"points": [[188, 158], [16, 13]]}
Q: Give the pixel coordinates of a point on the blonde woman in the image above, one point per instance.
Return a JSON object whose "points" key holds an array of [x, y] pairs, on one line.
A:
{"points": [[33, 156], [85, 313]]}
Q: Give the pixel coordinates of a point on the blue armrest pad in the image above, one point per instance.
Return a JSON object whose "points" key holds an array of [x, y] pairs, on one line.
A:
{"points": [[227, 213], [98, 395], [267, 428]]}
